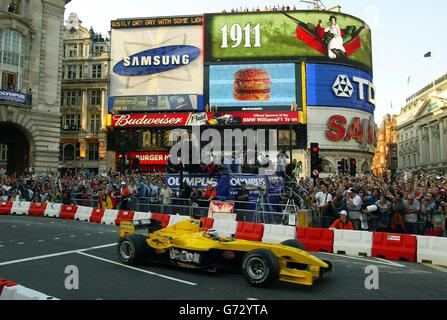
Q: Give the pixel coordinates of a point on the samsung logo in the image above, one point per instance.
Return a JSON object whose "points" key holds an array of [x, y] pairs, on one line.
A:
{"points": [[157, 60]]}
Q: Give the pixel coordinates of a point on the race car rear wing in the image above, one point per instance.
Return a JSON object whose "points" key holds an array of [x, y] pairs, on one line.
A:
{"points": [[130, 227]]}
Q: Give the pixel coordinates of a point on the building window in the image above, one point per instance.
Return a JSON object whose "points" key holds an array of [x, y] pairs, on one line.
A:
{"points": [[93, 152], [72, 51], [98, 50], [26, 8], [71, 122], [3, 152], [71, 98], [284, 138], [95, 123], [71, 72], [97, 71], [95, 98], [69, 152], [81, 71], [12, 57]]}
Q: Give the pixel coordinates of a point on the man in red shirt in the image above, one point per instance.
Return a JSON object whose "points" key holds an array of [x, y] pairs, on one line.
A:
{"points": [[210, 192], [343, 223]]}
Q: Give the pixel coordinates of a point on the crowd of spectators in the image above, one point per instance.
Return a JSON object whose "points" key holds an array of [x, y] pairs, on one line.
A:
{"points": [[412, 203], [265, 9]]}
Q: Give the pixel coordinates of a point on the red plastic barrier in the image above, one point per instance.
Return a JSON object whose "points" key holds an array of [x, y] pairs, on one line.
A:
{"points": [[316, 240], [5, 283], [37, 209], [97, 215], [164, 218], [250, 231], [207, 223], [68, 212], [394, 246], [5, 208], [124, 216]]}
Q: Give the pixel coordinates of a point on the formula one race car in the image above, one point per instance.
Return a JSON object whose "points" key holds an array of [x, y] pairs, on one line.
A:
{"points": [[186, 244]]}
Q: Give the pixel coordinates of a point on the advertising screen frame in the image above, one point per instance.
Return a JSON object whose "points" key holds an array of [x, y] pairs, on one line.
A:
{"points": [[280, 59]]}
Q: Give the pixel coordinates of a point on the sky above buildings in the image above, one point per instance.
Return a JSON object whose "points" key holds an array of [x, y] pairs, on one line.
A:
{"points": [[403, 31]]}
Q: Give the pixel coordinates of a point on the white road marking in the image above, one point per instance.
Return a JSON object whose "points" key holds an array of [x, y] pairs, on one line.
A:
{"points": [[88, 234], [13, 226], [57, 238], [21, 243], [384, 262], [64, 253], [391, 263], [1, 246], [72, 236], [40, 240], [253, 299], [140, 270]]}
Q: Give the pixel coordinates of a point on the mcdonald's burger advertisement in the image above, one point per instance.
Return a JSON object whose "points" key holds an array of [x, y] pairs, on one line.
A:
{"points": [[157, 65]]}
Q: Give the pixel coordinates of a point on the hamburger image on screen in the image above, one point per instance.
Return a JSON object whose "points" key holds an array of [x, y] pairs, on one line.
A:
{"points": [[252, 85]]}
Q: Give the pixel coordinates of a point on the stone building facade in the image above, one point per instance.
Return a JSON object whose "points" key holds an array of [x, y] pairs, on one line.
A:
{"points": [[30, 76], [84, 97], [385, 161], [422, 129]]}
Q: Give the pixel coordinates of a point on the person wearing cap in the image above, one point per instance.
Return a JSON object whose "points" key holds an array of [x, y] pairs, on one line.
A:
{"points": [[354, 204], [343, 223], [125, 194]]}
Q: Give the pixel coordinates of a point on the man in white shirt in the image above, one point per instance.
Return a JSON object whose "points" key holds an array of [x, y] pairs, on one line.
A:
{"points": [[323, 197], [354, 204]]}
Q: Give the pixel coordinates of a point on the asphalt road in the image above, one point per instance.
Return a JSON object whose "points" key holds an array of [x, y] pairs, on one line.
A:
{"points": [[36, 251]]}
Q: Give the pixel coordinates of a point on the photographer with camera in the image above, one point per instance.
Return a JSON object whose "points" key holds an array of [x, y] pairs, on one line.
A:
{"points": [[354, 203]]}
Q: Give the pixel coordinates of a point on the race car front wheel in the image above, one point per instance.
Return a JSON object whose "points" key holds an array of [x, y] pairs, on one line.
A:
{"points": [[260, 267], [133, 249]]}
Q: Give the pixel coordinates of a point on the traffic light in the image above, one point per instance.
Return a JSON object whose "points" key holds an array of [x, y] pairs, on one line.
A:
{"points": [[315, 161], [353, 167]]}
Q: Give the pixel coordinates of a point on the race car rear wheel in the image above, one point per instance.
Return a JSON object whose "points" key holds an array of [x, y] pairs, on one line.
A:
{"points": [[133, 249], [294, 244], [260, 267]]}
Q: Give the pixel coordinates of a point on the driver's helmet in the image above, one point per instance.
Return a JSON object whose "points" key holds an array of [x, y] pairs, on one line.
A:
{"points": [[212, 234]]}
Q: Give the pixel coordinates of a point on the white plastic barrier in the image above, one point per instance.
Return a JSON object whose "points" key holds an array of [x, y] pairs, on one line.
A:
{"points": [[53, 210], [83, 213], [142, 216], [432, 250], [353, 243], [224, 228], [109, 217], [176, 219], [19, 292], [20, 208], [277, 234]]}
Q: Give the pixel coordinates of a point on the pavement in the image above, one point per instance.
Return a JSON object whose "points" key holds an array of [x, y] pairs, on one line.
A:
{"points": [[36, 251]]}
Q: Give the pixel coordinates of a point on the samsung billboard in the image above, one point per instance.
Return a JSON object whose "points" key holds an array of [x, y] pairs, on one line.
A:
{"points": [[157, 64]]}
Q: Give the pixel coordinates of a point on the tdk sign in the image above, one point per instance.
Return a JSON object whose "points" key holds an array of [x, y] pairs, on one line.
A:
{"points": [[338, 86], [343, 88], [156, 61]]}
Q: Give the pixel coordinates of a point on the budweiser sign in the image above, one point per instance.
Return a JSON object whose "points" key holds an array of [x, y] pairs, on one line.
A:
{"points": [[151, 120]]}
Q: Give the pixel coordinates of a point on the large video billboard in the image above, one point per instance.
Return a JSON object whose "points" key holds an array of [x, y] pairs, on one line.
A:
{"points": [[156, 63], [257, 86], [339, 86], [311, 35]]}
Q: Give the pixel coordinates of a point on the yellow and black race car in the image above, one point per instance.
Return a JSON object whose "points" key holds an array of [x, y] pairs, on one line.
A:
{"points": [[186, 244]]}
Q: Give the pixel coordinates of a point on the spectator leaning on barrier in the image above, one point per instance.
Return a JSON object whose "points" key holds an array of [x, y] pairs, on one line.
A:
{"points": [[210, 192], [412, 211], [165, 194], [397, 221], [438, 221], [323, 201], [343, 223]]}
